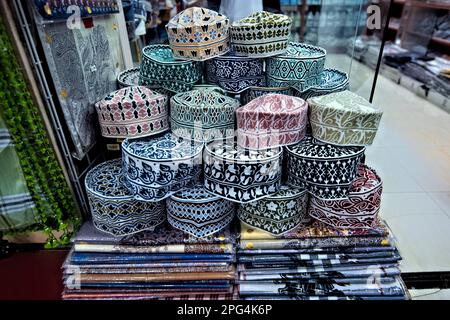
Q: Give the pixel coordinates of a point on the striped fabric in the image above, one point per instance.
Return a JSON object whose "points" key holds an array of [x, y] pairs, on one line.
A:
{"points": [[17, 209]]}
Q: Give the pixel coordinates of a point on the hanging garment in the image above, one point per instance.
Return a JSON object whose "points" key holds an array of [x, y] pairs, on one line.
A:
{"points": [[238, 9]]}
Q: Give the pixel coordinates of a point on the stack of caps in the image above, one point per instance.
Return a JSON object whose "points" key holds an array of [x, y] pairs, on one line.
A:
{"points": [[164, 264]]}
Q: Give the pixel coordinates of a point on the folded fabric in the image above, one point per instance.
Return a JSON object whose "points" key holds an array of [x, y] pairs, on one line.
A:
{"points": [[164, 235], [152, 277], [382, 270], [292, 288], [201, 295], [174, 248], [315, 229], [315, 242], [119, 269], [87, 258]]}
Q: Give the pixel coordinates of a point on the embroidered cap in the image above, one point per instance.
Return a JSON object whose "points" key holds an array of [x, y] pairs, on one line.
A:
{"points": [[344, 118], [285, 210], [203, 115], [160, 69], [129, 77], [114, 209], [241, 175], [235, 74], [326, 171], [133, 112], [271, 120], [198, 212], [300, 65], [198, 34], [155, 168], [331, 80]]}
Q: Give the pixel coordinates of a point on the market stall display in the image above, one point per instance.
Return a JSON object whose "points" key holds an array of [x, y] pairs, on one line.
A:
{"points": [[307, 206]]}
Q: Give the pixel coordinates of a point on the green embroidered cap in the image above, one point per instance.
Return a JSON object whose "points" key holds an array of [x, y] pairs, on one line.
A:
{"points": [[279, 213], [159, 69], [261, 34]]}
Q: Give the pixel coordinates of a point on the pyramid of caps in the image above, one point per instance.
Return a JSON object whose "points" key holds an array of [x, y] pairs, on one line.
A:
{"points": [[284, 207]]}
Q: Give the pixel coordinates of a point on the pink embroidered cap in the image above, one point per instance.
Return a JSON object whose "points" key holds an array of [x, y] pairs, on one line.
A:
{"points": [[359, 211], [271, 120], [133, 112]]}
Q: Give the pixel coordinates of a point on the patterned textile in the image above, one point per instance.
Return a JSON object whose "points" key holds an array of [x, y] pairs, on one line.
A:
{"points": [[155, 168], [148, 296], [129, 77], [159, 69], [319, 258], [166, 248], [133, 112], [146, 270], [315, 229], [203, 115], [83, 65], [111, 258], [314, 242], [255, 92], [199, 213], [359, 211], [378, 270], [17, 209], [319, 251], [331, 80], [235, 74], [156, 277], [298, 289]]}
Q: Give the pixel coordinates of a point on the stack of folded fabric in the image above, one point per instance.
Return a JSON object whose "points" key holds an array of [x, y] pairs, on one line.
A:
{"points": [[319, 262], [319, 236], [164, 264]]}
